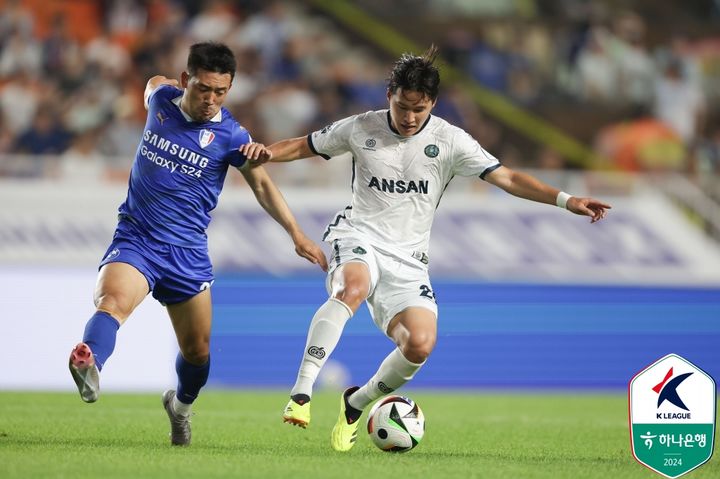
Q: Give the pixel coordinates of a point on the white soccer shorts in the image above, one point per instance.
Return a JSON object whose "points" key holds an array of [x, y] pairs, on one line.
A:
{"points": [[397, 281]]}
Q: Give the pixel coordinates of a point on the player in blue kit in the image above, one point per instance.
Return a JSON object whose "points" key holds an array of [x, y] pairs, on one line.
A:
{"points": [[160, 244]]}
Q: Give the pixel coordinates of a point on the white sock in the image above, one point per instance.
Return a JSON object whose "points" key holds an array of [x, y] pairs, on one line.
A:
{"points": [[180, 407], [394, 371], [324, 333]]}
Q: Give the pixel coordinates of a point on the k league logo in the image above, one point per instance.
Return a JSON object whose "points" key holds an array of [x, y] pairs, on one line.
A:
{"points": [[667, 391], [672, 416]]}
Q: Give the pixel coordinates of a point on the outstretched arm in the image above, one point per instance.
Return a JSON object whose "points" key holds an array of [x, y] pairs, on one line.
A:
{"points": [[528, 187], [285, 150], [273, 202], [292, 149], [155, 82]]}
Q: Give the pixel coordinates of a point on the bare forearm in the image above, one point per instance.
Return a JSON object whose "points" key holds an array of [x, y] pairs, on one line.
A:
{"points": [[525, 186], [272, 201], [528, 187], [289, 150]]}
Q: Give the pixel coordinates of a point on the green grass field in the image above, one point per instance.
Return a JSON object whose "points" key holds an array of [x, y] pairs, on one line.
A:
{"points": [[240, 434]]}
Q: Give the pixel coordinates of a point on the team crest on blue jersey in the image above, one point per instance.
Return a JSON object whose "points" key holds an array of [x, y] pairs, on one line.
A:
{"points": [[206, 137]]}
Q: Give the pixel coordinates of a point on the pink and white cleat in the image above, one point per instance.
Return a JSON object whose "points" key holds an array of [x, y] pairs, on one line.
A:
{"points": [[85, 372]]}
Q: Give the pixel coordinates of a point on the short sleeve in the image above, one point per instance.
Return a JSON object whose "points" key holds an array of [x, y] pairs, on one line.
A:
{"points": [[471, 159], [334, 139], [162, 91], [239, 137]]}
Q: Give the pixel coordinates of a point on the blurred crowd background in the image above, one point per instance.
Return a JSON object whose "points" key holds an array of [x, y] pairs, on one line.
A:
{"points": [[636, 81], [616, 99]]}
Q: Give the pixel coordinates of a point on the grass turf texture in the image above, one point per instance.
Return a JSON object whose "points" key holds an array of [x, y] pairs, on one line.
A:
{"points": [[241, 434]]}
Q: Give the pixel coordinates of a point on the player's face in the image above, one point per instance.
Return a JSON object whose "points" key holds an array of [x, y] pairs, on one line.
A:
{"points": [[204, 94], [409, 110]]}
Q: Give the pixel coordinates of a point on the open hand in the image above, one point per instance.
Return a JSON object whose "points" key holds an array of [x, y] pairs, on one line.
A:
{"points": [[256, 153], [591, 207], [309, 250]]}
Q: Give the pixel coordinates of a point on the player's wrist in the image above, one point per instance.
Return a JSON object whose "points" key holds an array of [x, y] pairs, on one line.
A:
{"points": [[562, 199], [297, 235]]}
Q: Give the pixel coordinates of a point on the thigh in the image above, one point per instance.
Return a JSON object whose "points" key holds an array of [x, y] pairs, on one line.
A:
{"points": [[352, 265], [192, 320], [350, 283], [403, 284], [120, 288]]}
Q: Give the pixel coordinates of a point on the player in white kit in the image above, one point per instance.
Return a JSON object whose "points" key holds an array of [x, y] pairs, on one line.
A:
{"points": [[403, 159]]}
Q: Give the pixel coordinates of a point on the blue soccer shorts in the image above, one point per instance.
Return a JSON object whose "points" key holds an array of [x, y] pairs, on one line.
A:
{"points": [[175, 274]]}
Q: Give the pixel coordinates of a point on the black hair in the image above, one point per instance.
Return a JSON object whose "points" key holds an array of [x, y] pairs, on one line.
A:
{"points": [[212, 57], [416, 73]]}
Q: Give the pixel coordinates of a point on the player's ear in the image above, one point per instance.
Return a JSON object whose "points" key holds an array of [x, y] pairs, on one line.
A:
{"points": [[184, 77]]}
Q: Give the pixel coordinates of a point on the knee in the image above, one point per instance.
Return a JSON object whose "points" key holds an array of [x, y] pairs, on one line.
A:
{"points": [[114, 305], [419, 346], [196, 352], [352, 295]]}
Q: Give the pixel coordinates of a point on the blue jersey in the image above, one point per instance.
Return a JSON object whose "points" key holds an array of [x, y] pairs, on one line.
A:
{"points": [[179, 170]]}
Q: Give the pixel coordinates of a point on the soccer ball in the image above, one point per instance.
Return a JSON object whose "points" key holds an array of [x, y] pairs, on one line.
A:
{"points": [[396, 424]]}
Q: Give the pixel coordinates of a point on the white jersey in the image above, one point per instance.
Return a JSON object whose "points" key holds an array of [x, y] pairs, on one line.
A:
{"points": [[398, 181]]}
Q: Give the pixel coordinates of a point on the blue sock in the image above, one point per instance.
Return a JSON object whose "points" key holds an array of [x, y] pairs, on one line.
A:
{"points": [[100, 334], [190, 379]]}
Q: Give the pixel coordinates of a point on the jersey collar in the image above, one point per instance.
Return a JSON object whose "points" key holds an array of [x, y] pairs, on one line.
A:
{"points": [[392, 128], [216, 119]]}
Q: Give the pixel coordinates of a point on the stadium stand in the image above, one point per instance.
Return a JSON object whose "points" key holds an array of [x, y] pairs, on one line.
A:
{"points": [[612, 78]]}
